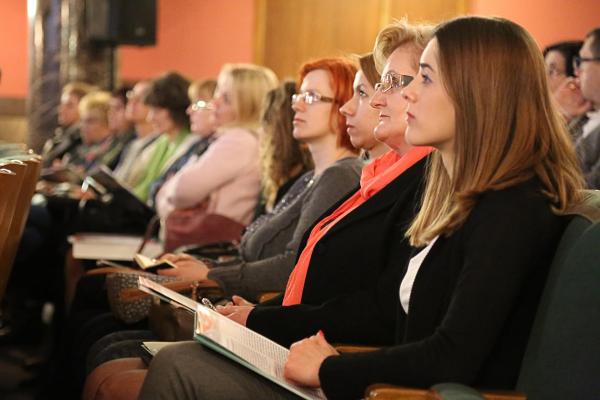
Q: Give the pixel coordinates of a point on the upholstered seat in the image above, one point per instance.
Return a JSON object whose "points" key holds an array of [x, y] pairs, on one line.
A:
{"points": [[562, 359]]}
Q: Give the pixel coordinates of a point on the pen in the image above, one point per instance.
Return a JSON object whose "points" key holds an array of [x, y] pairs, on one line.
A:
{"points": [[206, 302]]}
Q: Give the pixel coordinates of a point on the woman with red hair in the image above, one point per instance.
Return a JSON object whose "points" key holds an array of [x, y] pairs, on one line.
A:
{"points": [[326, 84]]}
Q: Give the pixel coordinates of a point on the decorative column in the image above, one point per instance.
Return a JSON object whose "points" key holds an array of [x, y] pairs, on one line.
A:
{"points": [[59, 53]]}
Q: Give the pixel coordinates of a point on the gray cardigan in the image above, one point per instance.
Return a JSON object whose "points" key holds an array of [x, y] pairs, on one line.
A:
{"points": [[269, 251], [588, 151]]}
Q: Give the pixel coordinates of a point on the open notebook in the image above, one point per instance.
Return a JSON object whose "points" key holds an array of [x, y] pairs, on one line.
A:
{"points": [[96, 246], [234, 341]]}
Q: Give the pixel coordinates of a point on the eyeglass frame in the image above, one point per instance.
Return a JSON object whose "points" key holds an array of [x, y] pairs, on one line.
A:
{"points": [[555, 71], [201, 105], [316, 98], [577, 61], [397, 81]]}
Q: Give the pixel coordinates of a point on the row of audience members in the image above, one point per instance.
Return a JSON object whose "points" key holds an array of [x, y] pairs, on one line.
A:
{"points": [[352, 247]]}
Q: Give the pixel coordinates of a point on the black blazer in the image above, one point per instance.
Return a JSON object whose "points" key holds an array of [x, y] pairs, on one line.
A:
{"points": [[351, 257], [472, 303]]}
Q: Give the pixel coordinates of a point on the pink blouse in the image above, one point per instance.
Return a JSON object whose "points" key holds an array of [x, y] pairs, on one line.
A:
{"points": [[227, 174]]}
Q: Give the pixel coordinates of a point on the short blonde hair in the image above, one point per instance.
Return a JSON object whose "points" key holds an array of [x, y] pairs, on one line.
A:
{"points": [[202, 89], [250, 84], [401, 33], [79, 89], [97, 100]]}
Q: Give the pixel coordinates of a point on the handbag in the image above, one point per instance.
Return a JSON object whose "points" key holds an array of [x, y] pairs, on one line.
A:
{"points": [[199, 227], [213, 251], [171, 324], [130, 309]]}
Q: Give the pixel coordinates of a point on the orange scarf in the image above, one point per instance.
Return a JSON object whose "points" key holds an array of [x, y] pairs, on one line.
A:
{"points": [[375, 177]]}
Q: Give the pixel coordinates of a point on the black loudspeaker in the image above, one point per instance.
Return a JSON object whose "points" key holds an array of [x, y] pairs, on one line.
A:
{"points": [[121, 21]]}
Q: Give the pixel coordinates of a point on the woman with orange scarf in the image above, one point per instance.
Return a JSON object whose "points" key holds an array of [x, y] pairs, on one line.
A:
{"points": [[355, 245], [362, 237]]}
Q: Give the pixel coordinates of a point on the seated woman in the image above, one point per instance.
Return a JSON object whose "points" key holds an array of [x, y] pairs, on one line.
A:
{"points": [[120, 126], [227, 185], [373, 218], [137, 154], [360, 117], [559, 59], [490, 221], [167, 99], [269, 244], [375, 215], [96, 135], [67, 137], [283, 159], [202, 124], [269, 248]]}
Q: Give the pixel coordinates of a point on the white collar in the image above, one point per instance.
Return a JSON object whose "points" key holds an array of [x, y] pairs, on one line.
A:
{"points": [[592, 123]]}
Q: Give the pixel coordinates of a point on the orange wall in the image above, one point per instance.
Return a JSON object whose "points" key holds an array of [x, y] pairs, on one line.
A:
{"points": [[195, 37], [13, 48], [547, 20]]}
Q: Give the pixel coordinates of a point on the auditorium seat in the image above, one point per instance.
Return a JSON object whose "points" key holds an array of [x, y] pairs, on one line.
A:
{"points": [[16, 203], [562, 356]]}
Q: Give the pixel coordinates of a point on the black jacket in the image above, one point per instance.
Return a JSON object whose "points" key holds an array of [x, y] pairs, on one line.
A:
{"points": [[472, 303], [349, 259]]}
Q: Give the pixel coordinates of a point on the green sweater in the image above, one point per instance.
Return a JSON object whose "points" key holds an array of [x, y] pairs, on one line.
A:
{"points": [[164, 150]]}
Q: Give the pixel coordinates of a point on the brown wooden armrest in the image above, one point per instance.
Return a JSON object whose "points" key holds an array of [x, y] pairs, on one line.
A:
{"points": [[352, 348], [177, 286], [112, 270], [503, 395], [380, 391], [266, 296], [389, 392]]}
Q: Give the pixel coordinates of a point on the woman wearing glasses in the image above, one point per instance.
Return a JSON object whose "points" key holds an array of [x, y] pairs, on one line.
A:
{"points": [[202, 125], [227, 174], [269, 246], [488, 226], [486, 232], [326, 84], [359, 241]]}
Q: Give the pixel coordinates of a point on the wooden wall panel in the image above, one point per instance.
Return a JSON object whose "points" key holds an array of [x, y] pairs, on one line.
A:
{"points": [[432, 11], [289, 32], [297, 30]]}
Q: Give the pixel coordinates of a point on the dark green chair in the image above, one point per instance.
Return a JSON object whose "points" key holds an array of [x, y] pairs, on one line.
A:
{"points": [[562, 359]]}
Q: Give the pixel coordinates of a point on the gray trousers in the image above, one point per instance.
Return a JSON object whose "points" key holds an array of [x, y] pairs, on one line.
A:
{"points": [[187, 370]]}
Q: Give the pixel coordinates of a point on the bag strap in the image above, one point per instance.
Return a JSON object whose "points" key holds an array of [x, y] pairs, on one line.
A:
{"points": [[152, 226]]}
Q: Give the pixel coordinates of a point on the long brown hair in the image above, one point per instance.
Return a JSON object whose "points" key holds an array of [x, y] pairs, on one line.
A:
{"points": [[507, 129], [366, 64], [282, 156]]}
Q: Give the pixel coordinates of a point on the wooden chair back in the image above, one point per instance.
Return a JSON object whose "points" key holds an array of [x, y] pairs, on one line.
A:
{"points": [[8, 180], [13, 192], [17, 224]]}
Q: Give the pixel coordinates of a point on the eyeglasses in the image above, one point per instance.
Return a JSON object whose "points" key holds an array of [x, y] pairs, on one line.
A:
{"points": [[391, 80], [577, 61], [311, 98], [554, 71], [202, 105]]}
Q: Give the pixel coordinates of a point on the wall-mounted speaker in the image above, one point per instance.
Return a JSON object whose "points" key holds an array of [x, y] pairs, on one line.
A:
{"points": [[121, 21]]}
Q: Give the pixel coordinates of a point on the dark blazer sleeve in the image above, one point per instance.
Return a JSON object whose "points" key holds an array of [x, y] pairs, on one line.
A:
{"points": [[502, 244], [249, 279], [366, 317]]}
